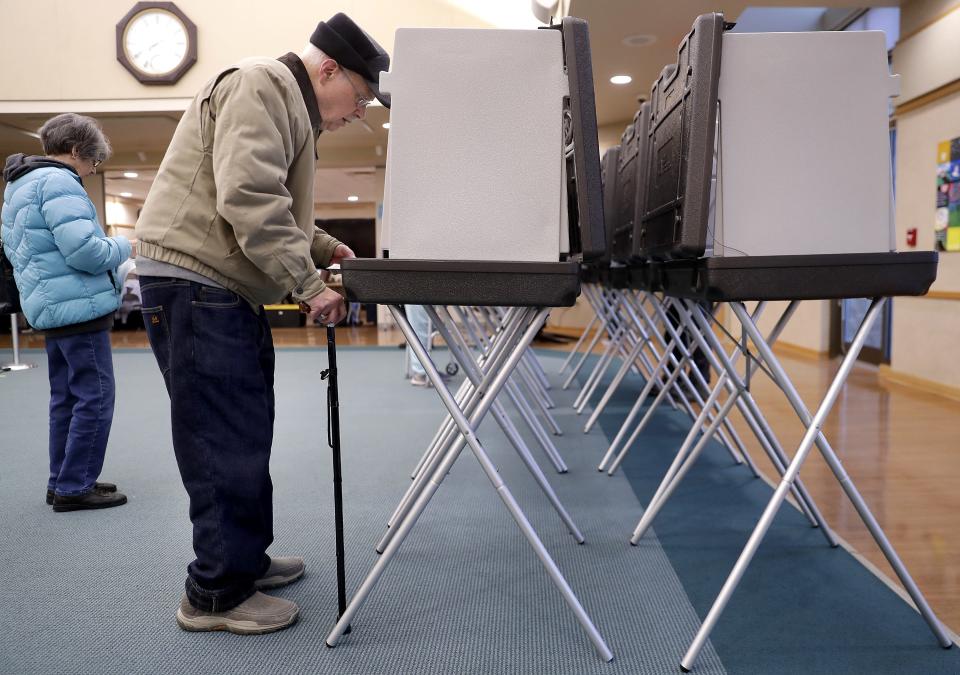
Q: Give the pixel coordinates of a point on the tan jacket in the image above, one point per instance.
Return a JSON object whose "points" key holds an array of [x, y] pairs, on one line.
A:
{"points": [[233, 199]]}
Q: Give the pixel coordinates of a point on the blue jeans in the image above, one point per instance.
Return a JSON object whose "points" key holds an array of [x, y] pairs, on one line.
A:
{"points": [[216, 356], [81, 409]]}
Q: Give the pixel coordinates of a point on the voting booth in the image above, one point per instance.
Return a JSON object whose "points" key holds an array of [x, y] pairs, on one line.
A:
{"points": [[794, 127], [492, 200], [767, 177]]}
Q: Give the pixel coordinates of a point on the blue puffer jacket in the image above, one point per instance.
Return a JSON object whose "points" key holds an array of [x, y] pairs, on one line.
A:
{"points": [[64, 264]]}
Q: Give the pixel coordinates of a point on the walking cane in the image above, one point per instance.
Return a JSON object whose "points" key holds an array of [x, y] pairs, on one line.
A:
{"points": [[333, 440]]}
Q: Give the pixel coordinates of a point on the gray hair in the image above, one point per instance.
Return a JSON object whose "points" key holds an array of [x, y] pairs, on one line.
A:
{"points": [[312, 57], [63, 134]]}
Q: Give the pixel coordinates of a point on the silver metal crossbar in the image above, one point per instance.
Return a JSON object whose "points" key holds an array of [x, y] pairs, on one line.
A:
{"points": [[489, 387]]}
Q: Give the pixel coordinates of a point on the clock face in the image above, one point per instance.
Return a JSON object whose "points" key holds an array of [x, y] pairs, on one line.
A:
{"points": [[155, 42]]}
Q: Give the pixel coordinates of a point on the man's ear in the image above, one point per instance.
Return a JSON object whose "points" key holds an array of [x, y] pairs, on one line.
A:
{"points": [[328, 68]]}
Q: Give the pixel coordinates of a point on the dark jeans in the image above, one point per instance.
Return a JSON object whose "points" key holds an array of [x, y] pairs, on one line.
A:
{"points": [[81, 409], [700, 360], [216, 356]]}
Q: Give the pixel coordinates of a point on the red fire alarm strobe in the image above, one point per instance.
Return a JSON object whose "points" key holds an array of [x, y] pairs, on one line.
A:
{"points": [[912, 237]]}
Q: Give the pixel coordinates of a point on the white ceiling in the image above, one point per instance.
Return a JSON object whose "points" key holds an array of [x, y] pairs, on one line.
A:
{"points": [[667, 21]]}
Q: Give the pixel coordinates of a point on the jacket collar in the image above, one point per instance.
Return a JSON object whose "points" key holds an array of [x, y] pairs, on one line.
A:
{"points": [[293, 62], [20, 164]]}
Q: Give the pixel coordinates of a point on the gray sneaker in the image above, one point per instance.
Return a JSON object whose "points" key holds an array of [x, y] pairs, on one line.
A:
{"points": [[282, 571], [256, 615]]}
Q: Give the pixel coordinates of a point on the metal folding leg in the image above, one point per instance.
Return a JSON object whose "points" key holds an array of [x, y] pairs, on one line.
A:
{"points": [[513, 391], [728, 434], [693, 387], [628, 363], [529, 376], [739, 395], [456, 341], [467, 398], [583, 337], [467, 429], [606, 317], [614, 346], [623, 336], [612, 461], [812, 436], [492, 362]]}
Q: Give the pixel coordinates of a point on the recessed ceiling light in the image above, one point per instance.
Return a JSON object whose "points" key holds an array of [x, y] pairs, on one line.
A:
{"points": [[130, 174], [353, 198], [639, 40], [126, 194], [386, 125], [621, 79]]}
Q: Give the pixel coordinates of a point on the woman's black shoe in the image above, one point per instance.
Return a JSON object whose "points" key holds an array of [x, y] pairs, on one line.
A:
{"points": [[94, 499], [102, 487]]}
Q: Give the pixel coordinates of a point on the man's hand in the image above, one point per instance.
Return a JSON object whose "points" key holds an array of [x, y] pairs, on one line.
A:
{"points": [[326, 307], [340, 252]]}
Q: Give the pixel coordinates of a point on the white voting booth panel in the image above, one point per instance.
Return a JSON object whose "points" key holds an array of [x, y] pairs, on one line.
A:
{"points": [[803, 145], [474, 167]]}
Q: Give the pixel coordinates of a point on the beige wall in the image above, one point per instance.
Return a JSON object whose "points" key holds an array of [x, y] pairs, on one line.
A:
{"points": [[94, 187], [928, 59], [83, 66], [925, 329], [609, 135], [123, 212], [809, 329], [915, 14]]}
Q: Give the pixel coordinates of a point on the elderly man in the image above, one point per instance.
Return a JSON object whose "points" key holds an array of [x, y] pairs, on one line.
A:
{"points": [[227, 227]]}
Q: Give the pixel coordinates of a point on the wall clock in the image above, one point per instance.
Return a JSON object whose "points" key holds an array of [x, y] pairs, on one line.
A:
{"points": [[156, 42]]}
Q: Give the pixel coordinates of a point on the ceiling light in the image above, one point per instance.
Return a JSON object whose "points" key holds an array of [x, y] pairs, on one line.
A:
{"points": [[126, 194], [386, 125], [621, 79], [353, 198], [639, 40], [130, 174]]}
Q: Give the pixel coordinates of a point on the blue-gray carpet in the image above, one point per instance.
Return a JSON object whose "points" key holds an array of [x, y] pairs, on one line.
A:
{"points": [[802, 607], [95, 592]]}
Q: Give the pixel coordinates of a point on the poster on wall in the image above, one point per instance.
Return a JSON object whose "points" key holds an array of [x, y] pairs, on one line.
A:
{"points": [[947, 227]]}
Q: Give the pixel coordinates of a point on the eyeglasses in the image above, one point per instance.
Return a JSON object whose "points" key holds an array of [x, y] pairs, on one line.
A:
{"points": [[361, 101], [97, 162]]}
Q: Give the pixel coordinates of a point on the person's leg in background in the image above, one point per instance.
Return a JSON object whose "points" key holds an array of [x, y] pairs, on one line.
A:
{"points": [[700, 360], [82, 396], [216, 356], [420, 322], [353, 314], [61, 412]]}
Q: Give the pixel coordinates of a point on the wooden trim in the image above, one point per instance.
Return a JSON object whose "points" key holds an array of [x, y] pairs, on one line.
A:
{"points": [[928, 23], [95, 106], [941, 295], [888, 375], [941, 92], [797, 351]]}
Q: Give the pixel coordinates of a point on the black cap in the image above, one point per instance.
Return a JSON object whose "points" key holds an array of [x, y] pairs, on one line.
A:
{"points": [[346, 43]]}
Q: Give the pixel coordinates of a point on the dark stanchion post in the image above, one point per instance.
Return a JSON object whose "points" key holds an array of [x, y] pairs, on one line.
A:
{"points": [[333, 440]]}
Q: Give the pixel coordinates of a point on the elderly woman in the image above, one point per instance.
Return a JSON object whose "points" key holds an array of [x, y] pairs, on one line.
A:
{"points": [[65, 269]]}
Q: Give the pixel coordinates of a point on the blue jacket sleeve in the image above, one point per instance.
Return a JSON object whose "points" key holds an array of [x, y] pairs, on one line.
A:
{"points": [[70, 215]]}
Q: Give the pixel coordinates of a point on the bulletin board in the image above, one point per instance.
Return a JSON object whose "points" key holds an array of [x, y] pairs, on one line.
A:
{"points": [[947, 224]]}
